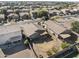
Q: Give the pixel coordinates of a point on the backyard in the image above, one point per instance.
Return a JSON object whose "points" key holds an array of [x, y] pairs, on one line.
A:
{"points": [[46, 45]]}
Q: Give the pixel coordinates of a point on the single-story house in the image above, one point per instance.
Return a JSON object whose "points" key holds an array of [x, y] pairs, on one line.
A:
{"points": [[64, 10], [2, 8], [25, 10], [16, 7], [7, 7], [9, 34], [21, 7], [24, 15], [54, 27], [61, 13], [2, 18], [17, 10], [73, 12], [9, 11], [31, 30], [68, 12], [13, 16], [60, 31], [53, 12]]}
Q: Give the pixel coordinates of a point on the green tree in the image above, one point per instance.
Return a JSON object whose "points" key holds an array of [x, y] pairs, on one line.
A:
{"points": [[42, 12], [75, 26], [26, 42], [65, 45]]}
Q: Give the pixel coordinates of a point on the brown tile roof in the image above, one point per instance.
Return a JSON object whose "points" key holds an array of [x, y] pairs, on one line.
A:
{"points": [[55, 27]]}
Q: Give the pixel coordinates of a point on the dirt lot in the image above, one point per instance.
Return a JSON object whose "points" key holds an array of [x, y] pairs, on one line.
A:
{"points": [[43, 47]]}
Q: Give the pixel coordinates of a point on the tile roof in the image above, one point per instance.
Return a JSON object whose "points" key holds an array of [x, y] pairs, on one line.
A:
{"points": [[54, 27]]}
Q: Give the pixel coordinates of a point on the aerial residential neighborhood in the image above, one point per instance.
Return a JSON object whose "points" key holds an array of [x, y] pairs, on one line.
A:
{"points": [[39, 29]]}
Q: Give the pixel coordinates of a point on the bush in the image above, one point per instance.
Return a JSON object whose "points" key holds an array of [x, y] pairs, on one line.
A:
{"points": [[65, 45], [49, 52], [54, 49], [75, 26]]}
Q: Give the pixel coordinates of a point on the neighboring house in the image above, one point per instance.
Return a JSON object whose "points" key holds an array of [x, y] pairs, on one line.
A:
{"points": [[53, 12], [13, 16], [54, 29], [9, 11], [2, 18], [7, 7], [16, 7], [27, 7], [72, 12], [31, 30], [78, 11], [64, 11], [25, 10], [61, 13], [35, 6], [24, 15], [8, 35], [17, 10], [2, 7], [21, 7], [60, 31], [68, 12]]}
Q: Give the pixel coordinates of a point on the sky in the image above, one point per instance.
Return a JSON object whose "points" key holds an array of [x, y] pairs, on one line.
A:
{"points": [[44, 0]]}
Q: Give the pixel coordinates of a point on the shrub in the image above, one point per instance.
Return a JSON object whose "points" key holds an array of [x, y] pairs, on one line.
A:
{"points": [[54, 49], [49, 52], [75, 26], [65, 45]]}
